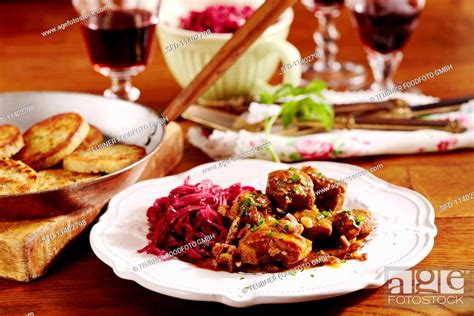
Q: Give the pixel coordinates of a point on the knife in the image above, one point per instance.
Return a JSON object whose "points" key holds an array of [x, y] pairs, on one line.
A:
{"points": [[225, 121]]}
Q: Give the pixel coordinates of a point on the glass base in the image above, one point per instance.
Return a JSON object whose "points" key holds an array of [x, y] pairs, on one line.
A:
{"points": [[341, 76], [129, 94], [122, 87]]}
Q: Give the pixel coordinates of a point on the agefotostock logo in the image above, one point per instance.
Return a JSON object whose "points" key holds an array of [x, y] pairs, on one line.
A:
{"points": [[429, 287]]}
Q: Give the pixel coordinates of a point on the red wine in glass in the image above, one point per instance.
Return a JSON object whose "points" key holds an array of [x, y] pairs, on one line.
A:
{"points": [[328, 2], [316, 5], [386, 29], [120, 39]]}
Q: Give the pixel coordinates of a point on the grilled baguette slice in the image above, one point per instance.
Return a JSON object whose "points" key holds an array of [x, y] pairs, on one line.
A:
{"points": [[94, 138], [16, 177], [49, 141], [11, 141], [108, 159], [57, 178]]}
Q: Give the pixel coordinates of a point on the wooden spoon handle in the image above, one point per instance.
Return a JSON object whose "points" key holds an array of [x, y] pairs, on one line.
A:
{"points": [[267, 14]]}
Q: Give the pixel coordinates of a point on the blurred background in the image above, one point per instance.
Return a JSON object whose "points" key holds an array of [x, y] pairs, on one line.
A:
{"points": [[443, 37]]}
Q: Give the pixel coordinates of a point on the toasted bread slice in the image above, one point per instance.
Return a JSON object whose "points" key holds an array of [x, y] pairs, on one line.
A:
{"points": [[16, 177], [57, 178], [108, 159], [94, 138], [11, 141], [49, 141]]}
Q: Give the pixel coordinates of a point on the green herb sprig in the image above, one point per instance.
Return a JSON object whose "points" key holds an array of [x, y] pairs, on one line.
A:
{"points": [[303, 110]]}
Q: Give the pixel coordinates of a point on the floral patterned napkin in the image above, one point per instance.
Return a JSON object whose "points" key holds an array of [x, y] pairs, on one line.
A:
{"points": [[342, 143]]}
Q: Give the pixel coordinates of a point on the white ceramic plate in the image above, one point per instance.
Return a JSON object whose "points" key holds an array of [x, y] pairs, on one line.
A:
{"points": [[404, 235]]}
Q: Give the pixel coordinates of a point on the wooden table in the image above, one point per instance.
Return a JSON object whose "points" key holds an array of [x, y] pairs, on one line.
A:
{"points": [[81, 284]]}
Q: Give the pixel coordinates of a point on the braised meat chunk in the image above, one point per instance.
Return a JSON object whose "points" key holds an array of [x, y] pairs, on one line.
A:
{"points": [[352, 225], [276, 242], [250, 208], [226, 256], [291, 190], [317, 225], [329, 193]]}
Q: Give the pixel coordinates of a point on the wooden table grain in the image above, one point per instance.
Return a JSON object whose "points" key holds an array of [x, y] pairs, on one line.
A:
{"points": [[80, 284]]}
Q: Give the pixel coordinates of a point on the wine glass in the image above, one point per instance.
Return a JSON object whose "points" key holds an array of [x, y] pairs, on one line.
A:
{"points": [[337, 74], [384, 28], [119, 36]]}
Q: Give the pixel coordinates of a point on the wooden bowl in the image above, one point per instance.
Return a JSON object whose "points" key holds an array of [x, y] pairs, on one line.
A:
{"points": [[112, 117]]}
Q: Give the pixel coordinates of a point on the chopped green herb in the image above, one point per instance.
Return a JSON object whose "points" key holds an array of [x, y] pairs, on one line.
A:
{"points": [[312, 275], [260, 222], [270, 234], [326, 213], [241, 278], [348, 213], [247, 202], [254, 228], [359, 220], [287, 226], [295, 178], [275, 223]]}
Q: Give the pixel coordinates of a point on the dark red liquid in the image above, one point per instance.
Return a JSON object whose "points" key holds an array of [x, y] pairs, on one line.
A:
{"points": [[315, 5], [328, 2], [120, 39], [385, 26]]}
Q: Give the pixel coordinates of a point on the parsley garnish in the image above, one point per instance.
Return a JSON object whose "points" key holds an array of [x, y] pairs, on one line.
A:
{"points": [[260, 222], [247, 202], [270, 234], [295, 178], [325, 213], [287, 226], [359, 220], [305, 109]]}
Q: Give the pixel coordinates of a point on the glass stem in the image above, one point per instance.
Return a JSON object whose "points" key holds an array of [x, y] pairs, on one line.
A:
{"points": [[326, 40], [122, 88], [383, 66]]}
